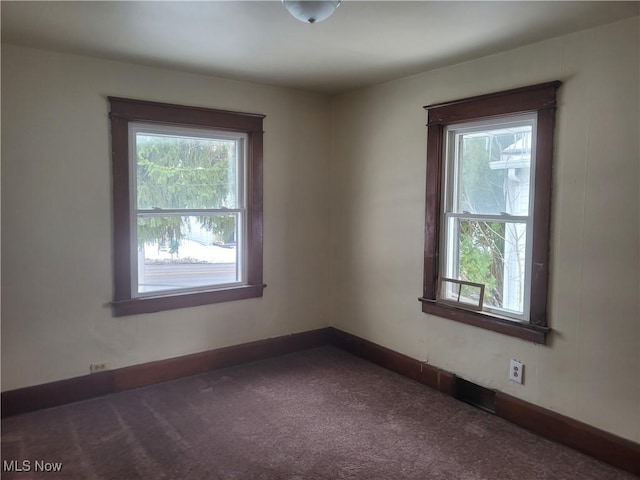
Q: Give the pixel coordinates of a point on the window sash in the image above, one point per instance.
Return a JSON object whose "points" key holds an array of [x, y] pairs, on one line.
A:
{"points": [[240, 211], [453, 135], [196, 133], [450, 261], [240, 263], [451, 181]]}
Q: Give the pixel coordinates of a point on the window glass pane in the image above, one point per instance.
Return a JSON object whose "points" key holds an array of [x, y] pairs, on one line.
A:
{"points": [[178, 252], [175, 172], [494, 168], [493, 254]]}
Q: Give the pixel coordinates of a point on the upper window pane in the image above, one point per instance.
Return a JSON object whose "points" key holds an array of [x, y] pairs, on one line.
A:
{"points": [[176, 171], [493, 173]]}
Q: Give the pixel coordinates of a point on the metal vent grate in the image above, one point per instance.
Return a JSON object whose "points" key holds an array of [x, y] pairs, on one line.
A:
{"points": [[475, 395]]}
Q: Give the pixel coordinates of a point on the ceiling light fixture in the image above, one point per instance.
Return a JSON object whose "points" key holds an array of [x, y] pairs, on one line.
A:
{"points": [[310, 11]]}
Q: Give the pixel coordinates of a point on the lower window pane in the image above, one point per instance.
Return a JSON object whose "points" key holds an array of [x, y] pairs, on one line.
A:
{"points": [[187, 252], [493, 254]]}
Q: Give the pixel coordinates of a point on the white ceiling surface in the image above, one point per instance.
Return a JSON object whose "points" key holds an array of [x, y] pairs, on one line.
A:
{"points": [[363, 43]]}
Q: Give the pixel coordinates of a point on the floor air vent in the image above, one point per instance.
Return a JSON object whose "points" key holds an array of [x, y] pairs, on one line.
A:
{"points": [[475, 395]]}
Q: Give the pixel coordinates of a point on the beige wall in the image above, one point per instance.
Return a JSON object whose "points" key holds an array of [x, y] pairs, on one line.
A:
{"points": [[343, 181], [590, 369], [56, 218]]}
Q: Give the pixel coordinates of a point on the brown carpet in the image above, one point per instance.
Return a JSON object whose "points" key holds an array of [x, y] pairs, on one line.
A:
{"points": [[317, 414]]}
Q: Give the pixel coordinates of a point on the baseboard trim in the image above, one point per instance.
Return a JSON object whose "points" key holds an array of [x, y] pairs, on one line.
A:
{"points": [[609, 448], [71, 390], [597, 443], [604, 446], [406, 366]]}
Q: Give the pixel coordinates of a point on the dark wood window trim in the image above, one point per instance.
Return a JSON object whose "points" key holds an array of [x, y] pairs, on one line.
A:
{"points": [[123, 111], [541, 99]]}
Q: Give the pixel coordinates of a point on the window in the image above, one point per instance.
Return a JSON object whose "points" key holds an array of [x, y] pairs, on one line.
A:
{"points": [[187, 199], [488, 210]]}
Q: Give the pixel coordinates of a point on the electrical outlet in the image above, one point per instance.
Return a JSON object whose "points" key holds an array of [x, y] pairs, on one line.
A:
{"points": [[97, 367], [516, 371]]}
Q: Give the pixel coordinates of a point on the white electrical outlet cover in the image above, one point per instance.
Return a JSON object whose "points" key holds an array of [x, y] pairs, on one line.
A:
{"points": [[516, 371]]}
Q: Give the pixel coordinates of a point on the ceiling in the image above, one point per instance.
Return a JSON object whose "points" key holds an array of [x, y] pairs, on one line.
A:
{"points": [[363, 43]]}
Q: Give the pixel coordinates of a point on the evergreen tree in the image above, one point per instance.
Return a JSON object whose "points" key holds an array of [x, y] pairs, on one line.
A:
{"points": [[184, 173]]}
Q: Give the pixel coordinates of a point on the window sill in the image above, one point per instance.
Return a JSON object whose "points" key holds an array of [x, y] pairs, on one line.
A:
{"points": [[525, 331], [135, 306]]}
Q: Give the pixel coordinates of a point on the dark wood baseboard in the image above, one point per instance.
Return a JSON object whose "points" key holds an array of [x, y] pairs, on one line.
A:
{"points": [[52, 394], [597, 443], [75, 389], [194, 364], [604, 446], [408, 367]]}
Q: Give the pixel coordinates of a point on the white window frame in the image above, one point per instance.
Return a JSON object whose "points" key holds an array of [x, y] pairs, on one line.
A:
{"points": [[240, 209], [451, 210]]}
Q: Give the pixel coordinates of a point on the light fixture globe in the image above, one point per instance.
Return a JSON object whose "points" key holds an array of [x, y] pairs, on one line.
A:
{"points": [[310, 11]]}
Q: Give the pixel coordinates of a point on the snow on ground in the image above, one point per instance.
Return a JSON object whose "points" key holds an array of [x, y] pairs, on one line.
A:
{"points": [[194, 250]]}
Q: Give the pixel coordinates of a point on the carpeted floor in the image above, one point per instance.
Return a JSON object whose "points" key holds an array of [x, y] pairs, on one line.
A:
{"points": [[317, 414]]}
